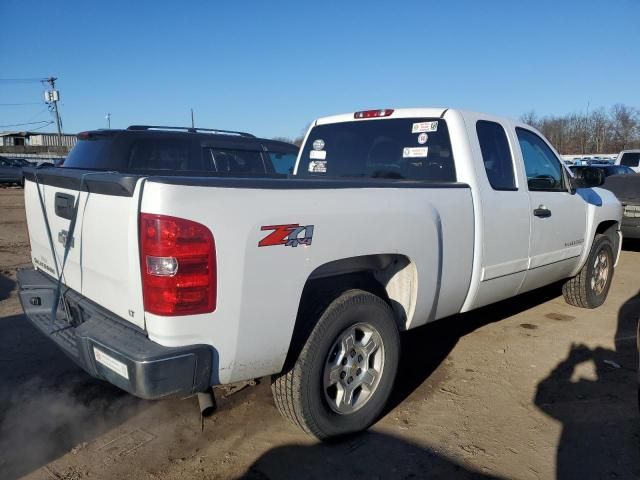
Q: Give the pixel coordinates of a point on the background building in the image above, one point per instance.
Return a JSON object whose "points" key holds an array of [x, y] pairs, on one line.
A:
{"points": [[36, 139]]}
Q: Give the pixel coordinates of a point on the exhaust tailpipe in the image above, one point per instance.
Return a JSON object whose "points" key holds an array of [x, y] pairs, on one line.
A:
{"points": [[207, 402]]}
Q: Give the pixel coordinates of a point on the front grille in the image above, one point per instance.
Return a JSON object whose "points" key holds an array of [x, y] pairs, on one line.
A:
{"points": [[632, 211]]}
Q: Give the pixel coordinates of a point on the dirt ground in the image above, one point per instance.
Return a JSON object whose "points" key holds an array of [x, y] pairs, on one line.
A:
{"points": [[530, 388]]}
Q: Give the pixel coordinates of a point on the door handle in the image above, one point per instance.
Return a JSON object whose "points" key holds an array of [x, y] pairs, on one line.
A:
{"points": [[542, 212]]}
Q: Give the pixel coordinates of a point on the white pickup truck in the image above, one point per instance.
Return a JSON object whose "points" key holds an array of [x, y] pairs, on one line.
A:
{"points": [[170, 283]]}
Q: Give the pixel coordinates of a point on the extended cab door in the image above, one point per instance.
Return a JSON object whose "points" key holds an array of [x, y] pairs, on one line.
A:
{"points": [[505, 246], [558, 218]]}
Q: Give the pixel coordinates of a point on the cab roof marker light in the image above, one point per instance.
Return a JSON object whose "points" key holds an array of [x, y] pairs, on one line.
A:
{"points": [[384, 112]]}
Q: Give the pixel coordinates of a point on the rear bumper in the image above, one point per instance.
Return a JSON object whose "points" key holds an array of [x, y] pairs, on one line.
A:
{"points": [[109, 348]]}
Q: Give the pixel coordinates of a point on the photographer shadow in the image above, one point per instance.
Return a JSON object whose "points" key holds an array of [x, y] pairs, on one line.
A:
{"points": [[593, 394]]}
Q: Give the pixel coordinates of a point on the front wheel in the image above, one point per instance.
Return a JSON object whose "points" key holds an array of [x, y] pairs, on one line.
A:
{"points": [[345, 372], [589, 289]]}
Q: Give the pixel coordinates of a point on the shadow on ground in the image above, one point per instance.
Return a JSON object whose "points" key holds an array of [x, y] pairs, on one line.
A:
{"points": [[631, 244], [370, 455], [48, 405], [6, 286], [428, 346], [600, 425]]}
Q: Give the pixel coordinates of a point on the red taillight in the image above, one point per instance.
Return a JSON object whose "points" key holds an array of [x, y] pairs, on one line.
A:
{"points": [[178, 263], [385, 112]]}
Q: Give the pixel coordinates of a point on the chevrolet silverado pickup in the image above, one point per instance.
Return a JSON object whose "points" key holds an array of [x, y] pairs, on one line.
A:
{"points": [[165, 281]]}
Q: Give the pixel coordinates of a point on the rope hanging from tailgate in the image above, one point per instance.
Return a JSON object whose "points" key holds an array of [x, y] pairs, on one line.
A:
{"points": [[67, 245]]}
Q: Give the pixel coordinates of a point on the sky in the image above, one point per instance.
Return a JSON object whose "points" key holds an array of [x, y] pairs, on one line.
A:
{"points": [[270, 68]]}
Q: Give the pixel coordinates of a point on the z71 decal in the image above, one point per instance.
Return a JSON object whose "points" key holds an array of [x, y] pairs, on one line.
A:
{"points": [[290, 235]]}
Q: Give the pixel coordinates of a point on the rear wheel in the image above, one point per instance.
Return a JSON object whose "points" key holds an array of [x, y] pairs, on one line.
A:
{"points": [[589, 289], [344, 374]]}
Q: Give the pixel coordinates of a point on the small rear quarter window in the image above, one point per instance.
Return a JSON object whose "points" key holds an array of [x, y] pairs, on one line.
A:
{"points": [[496, 155]]}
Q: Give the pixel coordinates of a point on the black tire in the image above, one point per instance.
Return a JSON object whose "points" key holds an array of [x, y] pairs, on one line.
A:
{"points": [[579, 290], [300, 394]]}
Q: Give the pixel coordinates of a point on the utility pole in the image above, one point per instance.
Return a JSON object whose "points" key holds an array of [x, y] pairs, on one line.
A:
{"points": [[108, 117], [192, 122], [53, 97]]}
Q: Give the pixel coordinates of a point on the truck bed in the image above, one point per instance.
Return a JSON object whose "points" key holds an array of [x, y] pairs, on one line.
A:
{"points": [[425, 227]]}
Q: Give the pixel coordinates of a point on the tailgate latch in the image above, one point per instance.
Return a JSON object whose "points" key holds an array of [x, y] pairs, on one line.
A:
{"points": [[63, 238]]}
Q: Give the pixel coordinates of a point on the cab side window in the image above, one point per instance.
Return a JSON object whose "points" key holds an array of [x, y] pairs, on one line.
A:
{"points": [[496, 155], [233, 161], [544, 172]]}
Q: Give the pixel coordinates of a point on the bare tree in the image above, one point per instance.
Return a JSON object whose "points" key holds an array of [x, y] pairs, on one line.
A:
{"points": [[599, 131], [530, 118], [625, 126]]}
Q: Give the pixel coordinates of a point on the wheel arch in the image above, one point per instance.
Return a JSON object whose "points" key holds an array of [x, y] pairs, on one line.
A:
{"points": [[610, 228], [392, 277]]}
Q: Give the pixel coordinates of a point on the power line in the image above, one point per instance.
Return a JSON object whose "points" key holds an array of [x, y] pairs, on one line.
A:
{"points": [[22, 80], [19, 104], [41, 126], [48, 122], [45, 109]]}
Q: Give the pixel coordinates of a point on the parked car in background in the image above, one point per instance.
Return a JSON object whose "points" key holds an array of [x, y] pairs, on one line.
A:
{"points": [[629, 158], [607, 169], [627, 189], [178, 150], [10, 172], [20, 162], [601, 161]]}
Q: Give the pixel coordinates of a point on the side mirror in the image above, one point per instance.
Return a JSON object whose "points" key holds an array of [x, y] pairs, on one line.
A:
{"points": [[587, 177]]}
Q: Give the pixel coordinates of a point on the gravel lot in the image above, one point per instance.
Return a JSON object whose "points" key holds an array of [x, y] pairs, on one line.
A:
{"points": [[529, 388]]}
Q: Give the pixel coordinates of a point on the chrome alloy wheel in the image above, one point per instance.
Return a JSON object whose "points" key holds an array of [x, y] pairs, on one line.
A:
{"points": [[600, 272], [353, 368]]}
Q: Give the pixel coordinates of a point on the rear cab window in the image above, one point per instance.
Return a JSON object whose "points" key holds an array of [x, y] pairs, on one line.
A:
{"points": [[400, 148]]}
